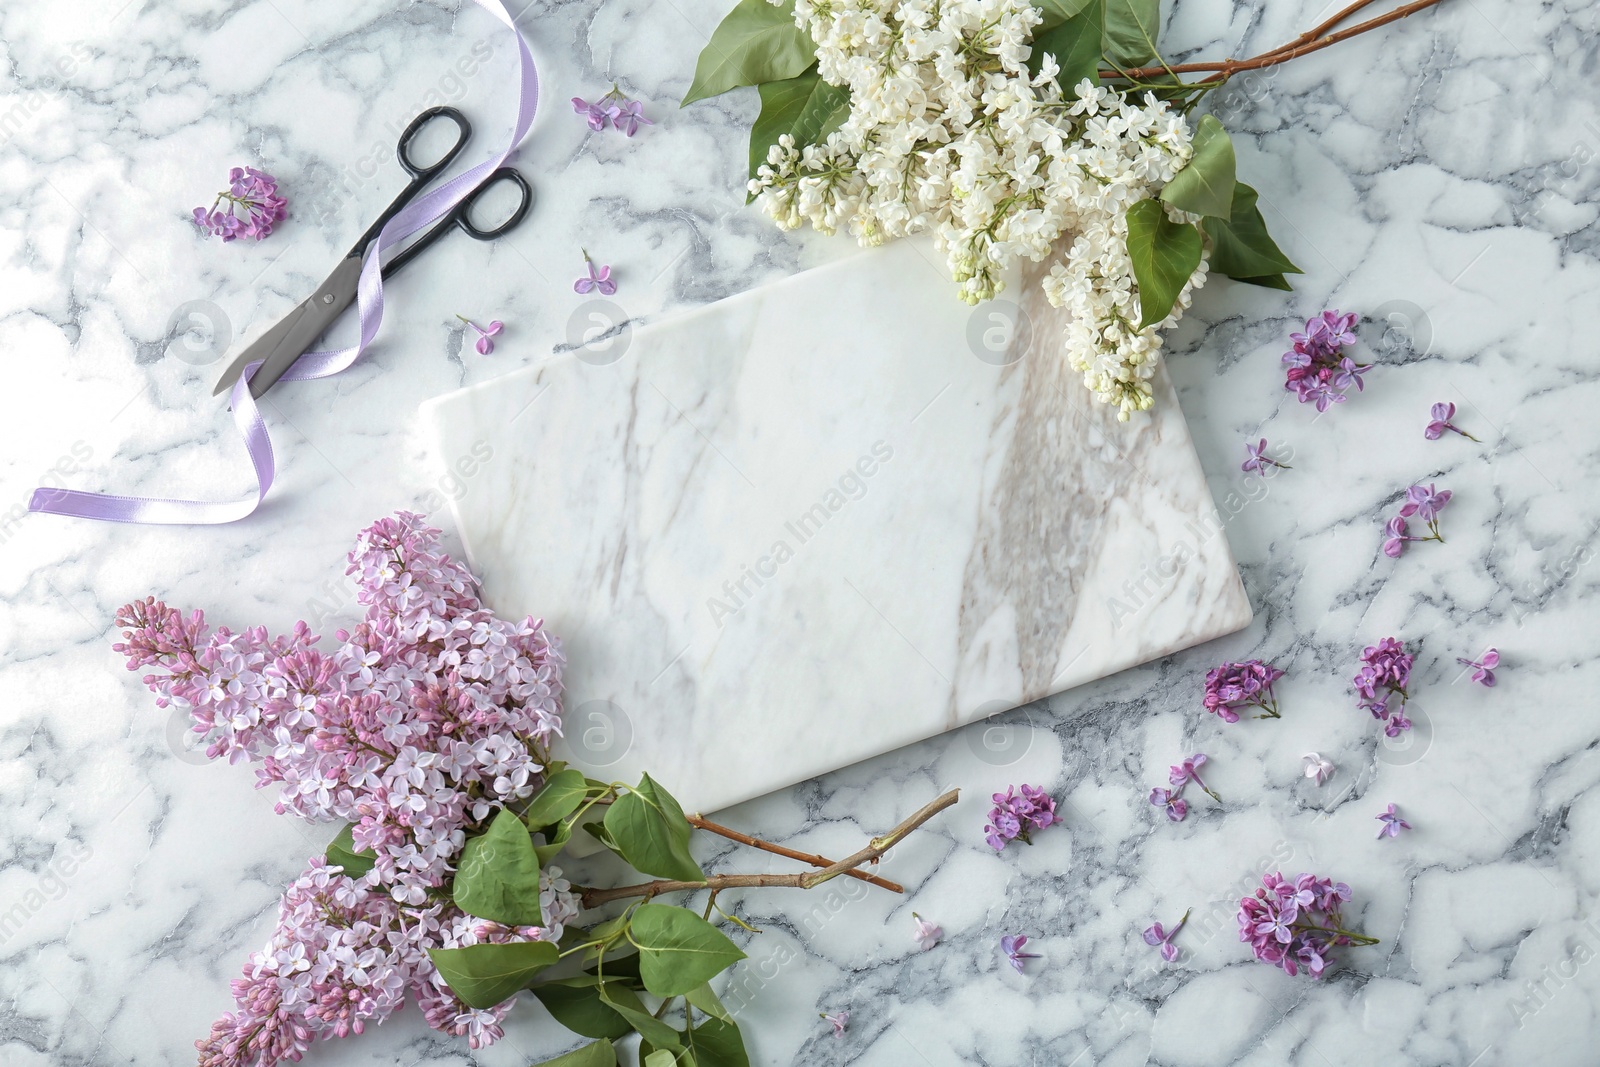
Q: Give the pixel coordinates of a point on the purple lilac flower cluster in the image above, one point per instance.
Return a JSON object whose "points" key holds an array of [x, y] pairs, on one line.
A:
{"points": [[430, 717], [253, 191], [1242, 685], [1294, 925], [1179, 775], [1384, 675], [615, 108], [1016, 813], [1318, 371], [1423, 502]]}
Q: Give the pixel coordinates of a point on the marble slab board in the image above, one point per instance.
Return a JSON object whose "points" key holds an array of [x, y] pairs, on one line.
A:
{"points": [[826, 518]]}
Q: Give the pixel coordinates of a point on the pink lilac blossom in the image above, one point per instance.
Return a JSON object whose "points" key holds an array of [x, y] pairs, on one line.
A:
{"points": [[1154, 936], [1441, 415], [1423, 502], [1011, 945], [1172, 801], [1392, 823], [430, 716], [617, 108], [254, 191], [1483, 667], [1384, 675], [838, 1020], [1295, 924], [1317, 767], [927, 933], [1317, 370], [1016, 814], [1242, 685]]}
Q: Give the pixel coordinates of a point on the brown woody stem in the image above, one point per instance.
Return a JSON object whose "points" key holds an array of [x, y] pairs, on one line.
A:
{"points": [[1312, 40], [593, 898], [702, 823]]}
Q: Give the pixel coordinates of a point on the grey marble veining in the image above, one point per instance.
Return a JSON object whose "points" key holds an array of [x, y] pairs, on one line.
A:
{"points": [[1438, 177]]}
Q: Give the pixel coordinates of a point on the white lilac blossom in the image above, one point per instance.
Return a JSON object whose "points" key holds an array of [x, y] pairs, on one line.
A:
{"points": [[430, 717], [927, 934], [949, 133]]}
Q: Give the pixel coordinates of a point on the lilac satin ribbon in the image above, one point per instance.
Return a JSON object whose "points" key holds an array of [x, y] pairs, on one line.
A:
{"points": [[369, 303]]}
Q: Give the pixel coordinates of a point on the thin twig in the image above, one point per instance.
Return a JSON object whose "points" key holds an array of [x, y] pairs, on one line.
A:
{"points": [[1311, 41], [701, 823], [593, 898]]}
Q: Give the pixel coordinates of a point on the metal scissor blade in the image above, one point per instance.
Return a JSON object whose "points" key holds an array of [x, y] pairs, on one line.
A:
{"points": [[280, 346]]}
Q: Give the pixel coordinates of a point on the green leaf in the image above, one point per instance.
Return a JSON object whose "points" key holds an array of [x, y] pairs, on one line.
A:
{"points": [[560, 797], [703, 998], [1164, 253], [618, 967], [1072, 31], [1206, 185], [498, 876], [628, 1005], [718, 1044], [1132, 27], [1241, 247], [556, 842], [484, 975], [647, 828], [806, 107], [342, 850], [756, 43], [681, 1057], [678, 950], [576, 1004], [599, 1054], [660, 1058], [1268, 281]]}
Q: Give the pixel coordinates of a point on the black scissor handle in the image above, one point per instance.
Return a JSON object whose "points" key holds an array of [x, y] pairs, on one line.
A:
{"points": [[463, 210], [460, 217], [421, 172]]}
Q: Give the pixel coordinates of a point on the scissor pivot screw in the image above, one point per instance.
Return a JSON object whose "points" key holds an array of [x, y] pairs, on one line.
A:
{"points": [[327, 298]]}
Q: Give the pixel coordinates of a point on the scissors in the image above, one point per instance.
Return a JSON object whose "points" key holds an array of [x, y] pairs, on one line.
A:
{"points": [[279, 347]]}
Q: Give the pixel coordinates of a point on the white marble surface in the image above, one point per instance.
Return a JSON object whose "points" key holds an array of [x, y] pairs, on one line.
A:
{"points": [[1443, 171], [823, 519]]}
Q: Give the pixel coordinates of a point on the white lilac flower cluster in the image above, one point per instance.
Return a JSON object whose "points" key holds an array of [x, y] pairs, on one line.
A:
{"points": [[429, 718], [949, 133]]}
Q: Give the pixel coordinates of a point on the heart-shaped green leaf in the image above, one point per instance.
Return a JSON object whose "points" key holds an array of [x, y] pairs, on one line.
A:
{"points": [[557, 841], [806, 107], [1164, 254], [660, 1058], [1241, 247], [646, 827], [342, 851], [576, 1004], [1206, 185], [756, 43], [599, 1054], [1132, 27], [707, 1001], [718, 1044], [498, 875], [1072, 31], [626, 1003], [485, 975], [560, 797], [678, 950]]}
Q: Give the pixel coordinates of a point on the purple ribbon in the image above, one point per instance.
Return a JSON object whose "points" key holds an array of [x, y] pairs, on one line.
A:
{"points": [[369, 303]]}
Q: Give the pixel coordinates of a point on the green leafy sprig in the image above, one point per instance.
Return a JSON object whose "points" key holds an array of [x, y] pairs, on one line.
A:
{"points": [[596, 980]]}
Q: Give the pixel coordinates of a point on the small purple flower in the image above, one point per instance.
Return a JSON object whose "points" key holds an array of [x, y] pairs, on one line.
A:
{"points": [[1188, 771], [1011, 945], [1172, 800], [1294, 925], [598, 279], [1425, 504], [617, 108], [1385, 672], [838, 1020], [927, 934], [1317, 767], [1154, 935], [1017, 813], [1316, 369], [1257, 460], [1348, 374], [1442, 413], [1392, 823], [629, 117], [1322, 394], [256, 192], [1396, 541], [596, 114], [485, 343], [1242, 685], [1483, 667]]}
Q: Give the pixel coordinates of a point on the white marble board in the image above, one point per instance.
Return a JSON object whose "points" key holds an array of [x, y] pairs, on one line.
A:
{"points": [[826, 518]]}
